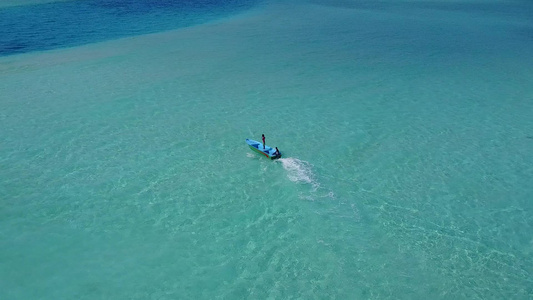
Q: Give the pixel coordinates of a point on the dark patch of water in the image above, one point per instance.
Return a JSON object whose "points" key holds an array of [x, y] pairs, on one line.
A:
{"points": [[72, 23]]}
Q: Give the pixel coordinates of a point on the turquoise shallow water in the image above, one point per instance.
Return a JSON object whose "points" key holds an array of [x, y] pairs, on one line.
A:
{"points": [[124, 172]]}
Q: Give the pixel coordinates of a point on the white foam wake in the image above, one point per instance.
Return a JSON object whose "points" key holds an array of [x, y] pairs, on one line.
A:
{"points": [[299, 171]]}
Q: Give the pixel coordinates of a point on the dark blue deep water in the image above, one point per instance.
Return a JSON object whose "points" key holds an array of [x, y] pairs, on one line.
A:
{"points": [[64, 24]]}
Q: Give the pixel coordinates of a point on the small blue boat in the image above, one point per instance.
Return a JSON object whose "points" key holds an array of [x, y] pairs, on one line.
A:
{"points": [[267, 151]]}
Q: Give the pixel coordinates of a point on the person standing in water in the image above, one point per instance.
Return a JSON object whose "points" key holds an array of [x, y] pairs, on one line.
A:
{"points": [[263, 137]]}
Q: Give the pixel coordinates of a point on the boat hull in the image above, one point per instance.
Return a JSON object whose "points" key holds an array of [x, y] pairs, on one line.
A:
{"points": [[267, 151]]}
